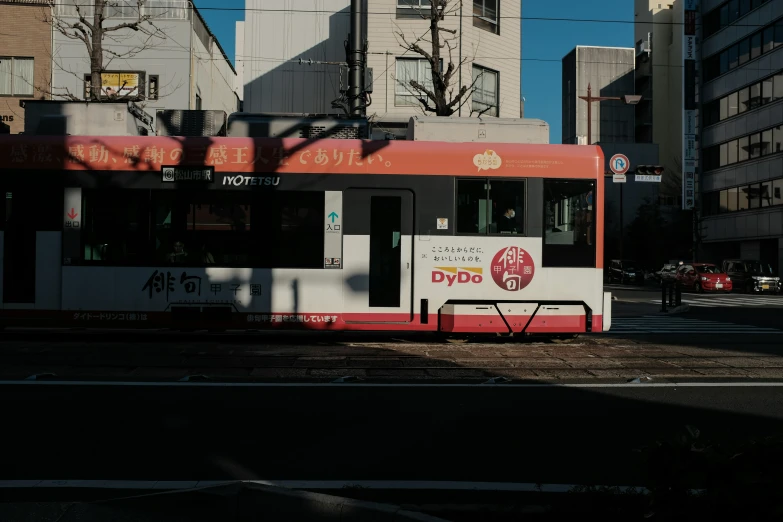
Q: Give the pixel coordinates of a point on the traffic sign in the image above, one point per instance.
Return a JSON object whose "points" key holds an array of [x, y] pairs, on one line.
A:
{"points": [[618, 178], [619, 164], [648, 177]]}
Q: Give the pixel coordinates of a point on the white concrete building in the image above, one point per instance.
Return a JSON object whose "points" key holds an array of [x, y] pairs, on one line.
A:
{"points": [[488, 39], [183, 67]]}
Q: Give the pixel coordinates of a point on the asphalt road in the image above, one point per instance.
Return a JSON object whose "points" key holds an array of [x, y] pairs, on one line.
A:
{"points": [[534, 434]]}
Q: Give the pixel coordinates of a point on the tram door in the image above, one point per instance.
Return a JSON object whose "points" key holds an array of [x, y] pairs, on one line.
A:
{"points": [[19, 245], [378, 255]]}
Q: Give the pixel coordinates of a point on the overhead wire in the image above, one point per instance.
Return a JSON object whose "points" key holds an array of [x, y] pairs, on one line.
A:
{"points": [[449, 15]]}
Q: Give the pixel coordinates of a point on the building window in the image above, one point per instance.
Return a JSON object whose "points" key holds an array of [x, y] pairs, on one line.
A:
{"points": [[485, 91], [753, 46], [16, 76], [777, 192], [153, 87], [749, 98], [87, 86], [569, 212], [414, 8], [415, 69], [124, 9], [485, 15], [156, 9], [491, 206], [746, 197], [749, 147]]}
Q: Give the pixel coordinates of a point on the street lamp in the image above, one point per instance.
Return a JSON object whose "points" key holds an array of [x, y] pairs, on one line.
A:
{"points": [[628, 99]]}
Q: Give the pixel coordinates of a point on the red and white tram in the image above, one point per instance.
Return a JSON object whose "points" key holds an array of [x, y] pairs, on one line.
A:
{"points": [[256, 233]]}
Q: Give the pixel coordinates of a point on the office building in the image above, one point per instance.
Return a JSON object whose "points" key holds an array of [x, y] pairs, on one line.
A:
{"points": [[609, 71], [741, 130], [25, 59]]}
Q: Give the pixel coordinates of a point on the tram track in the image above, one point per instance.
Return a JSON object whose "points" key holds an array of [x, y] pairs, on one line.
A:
{"points": [[411, 367]]}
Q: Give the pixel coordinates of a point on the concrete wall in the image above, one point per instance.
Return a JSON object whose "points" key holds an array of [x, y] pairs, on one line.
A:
{"points": [[214, 78], [665, 70], [24, 35], [610, 72], [275, 41]]}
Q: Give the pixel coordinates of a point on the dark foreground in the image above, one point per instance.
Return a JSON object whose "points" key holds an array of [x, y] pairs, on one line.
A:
{"points": [[350, 433], [547, 434]]}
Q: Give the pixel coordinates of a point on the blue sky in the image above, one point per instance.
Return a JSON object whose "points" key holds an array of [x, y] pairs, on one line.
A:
{"points": [[541, 40]]}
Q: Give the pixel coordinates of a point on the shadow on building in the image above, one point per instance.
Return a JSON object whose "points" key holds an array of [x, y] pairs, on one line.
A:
{"points": [[294, 87]]}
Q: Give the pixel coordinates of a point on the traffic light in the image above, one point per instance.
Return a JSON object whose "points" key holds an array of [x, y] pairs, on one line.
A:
{"points": [[655, 170]]}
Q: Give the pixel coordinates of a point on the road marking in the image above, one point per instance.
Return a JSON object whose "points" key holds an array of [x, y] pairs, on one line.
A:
{"points": [[729, 301], [654, 324], [167, 384]]}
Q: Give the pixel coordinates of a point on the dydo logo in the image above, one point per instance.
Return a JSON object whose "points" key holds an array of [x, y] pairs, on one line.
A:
{"points": [[457, 274], [512, 269]]}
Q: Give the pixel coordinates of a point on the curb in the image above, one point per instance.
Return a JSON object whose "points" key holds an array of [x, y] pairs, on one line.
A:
{"points": [[676, 310]]}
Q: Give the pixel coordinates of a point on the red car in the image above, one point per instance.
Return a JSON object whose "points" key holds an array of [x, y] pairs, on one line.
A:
{"points": [[703, 276]]}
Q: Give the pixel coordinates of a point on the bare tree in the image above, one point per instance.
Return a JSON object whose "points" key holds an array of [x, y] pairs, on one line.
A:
{"points": [[86, 21], [441, 98]]}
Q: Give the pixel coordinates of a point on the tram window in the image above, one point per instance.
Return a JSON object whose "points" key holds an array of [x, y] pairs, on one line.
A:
{"points": [[115, 226], [490, 206], [270, 230], [203, 228], [569, 218]]}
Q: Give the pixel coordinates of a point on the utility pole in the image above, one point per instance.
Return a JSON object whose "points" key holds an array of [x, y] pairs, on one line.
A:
{"points": [[627, 99], [356, 62]]}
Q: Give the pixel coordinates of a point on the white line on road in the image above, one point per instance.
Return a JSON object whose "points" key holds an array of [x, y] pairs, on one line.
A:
{"points": [[152, 384]]}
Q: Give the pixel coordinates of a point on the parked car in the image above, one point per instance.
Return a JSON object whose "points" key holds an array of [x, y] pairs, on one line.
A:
{"points": [[752, 276], [625, 271], [701, 277], [667, 273]]}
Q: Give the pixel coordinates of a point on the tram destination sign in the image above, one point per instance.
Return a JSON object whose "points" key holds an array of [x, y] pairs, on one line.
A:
{"points": [[188, 174]]}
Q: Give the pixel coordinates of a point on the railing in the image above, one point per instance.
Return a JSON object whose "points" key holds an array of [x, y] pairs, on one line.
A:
{"points": [[671, 294]]}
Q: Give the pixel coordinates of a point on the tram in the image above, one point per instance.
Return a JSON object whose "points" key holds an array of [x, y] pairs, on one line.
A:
{"points": [[329, 234]]}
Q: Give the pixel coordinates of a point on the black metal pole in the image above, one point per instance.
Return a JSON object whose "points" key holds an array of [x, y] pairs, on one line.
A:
{"points": [[589, 114], [355, 59], [622, 228], [663, 296]]}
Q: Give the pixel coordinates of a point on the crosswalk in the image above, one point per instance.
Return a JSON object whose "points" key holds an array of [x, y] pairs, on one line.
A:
{"points": [[729, 301], [653, 324]]}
